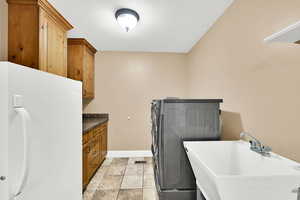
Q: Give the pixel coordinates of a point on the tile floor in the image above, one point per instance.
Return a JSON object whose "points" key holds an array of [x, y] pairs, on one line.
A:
{"points": [[122, 179]]}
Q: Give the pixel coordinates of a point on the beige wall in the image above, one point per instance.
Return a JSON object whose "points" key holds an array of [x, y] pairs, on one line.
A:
{"points": [[260, 83], [125, 85], [3, 30]]}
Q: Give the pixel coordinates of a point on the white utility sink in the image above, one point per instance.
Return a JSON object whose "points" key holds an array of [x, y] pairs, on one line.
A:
{"points": [[229, 170]]}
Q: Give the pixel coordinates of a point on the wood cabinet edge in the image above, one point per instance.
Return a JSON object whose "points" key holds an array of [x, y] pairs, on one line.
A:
{"points": [[82, 41], [48, 8]]}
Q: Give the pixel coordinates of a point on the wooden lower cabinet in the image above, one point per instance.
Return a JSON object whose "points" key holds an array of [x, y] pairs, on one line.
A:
{"points": [[104, 141], [86, 173], [94, 152]]}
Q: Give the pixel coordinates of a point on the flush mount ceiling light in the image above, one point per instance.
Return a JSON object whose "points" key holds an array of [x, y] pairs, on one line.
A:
{"points": [[127, 18]]}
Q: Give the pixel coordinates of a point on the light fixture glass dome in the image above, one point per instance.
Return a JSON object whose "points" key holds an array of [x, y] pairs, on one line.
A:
{"points": [[127, 18]]}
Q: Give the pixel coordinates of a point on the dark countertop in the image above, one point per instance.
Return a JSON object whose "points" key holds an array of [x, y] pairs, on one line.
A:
{"points": [[90, 121]]}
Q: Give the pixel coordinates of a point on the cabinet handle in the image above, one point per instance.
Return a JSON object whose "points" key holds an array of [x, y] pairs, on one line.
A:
{"points": [[25, 168]]}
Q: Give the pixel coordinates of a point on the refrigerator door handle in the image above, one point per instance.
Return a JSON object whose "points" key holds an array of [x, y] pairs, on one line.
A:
{"points": [[25, 165]]}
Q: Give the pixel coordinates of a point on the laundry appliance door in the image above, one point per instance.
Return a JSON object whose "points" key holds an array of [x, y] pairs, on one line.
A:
{"points": [[155, 109]]}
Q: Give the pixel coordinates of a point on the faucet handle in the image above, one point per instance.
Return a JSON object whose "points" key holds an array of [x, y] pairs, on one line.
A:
{"points": [[253, 145], [242, 134], [267, 149], [247, 135]]}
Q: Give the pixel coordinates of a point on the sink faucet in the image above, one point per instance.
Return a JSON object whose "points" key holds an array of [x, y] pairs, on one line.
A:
{"points": [[256, 145]]}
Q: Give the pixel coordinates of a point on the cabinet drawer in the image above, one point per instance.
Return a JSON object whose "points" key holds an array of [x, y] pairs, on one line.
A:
{"points": [[102, 127], [85, 138], [93, 154], [105, 126], [95, 148], [94, 164], [96, 131]]}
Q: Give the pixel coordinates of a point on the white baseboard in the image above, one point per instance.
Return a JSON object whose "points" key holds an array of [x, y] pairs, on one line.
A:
{"points": [[127, 154]]}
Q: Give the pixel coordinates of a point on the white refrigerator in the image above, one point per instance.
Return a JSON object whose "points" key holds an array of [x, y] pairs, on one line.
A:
{"points": [[40, 136]]}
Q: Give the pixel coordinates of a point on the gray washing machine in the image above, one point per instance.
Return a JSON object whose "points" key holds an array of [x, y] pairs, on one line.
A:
{"points": [[175, 121]]}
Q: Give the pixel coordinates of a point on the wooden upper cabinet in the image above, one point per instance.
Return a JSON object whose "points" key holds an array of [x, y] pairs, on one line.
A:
{"points": [[81, 64], [37, 36]]}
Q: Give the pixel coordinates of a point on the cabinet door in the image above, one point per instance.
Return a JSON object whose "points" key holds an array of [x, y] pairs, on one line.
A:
{"points": [[104, 151], [88, 79], [95, 147], [23, 34], [75, 61], [95, 154], [53, 46], [85, 165], [101, 147]]}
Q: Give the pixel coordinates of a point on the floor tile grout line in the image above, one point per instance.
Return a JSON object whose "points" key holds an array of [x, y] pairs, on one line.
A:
{"points": [[122, 180], [143, 181], [123, 177], [94, 190]]}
